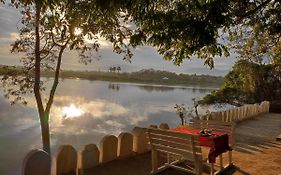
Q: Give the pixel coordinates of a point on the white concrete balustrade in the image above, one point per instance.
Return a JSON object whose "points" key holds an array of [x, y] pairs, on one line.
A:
{"points": [[240, 113]]}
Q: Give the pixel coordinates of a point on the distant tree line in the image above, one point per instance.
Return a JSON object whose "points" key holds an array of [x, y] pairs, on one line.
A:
{"points": [[147, 76], [114, 69]]}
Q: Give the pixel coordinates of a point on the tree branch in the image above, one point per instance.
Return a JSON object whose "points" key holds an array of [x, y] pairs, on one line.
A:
{"points": [[250, 12], [46, 43], [56, 43], [56, 80], [49, 50]]}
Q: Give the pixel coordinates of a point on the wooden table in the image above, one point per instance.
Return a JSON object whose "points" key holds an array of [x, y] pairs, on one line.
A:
{"points": [[218, 143]]}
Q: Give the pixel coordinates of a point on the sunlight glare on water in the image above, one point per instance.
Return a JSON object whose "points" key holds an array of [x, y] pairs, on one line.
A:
{"points": [[72, 111]]}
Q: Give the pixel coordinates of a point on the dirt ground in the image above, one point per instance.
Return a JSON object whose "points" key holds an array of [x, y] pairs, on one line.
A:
{"points": [[256, 152]]}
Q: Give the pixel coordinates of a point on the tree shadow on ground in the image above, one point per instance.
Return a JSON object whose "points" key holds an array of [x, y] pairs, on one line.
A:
{"points": [[259, 134], [234, 169]]}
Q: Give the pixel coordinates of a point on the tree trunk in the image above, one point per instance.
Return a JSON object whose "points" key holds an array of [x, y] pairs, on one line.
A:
{"points": [[44, 118], [45, 131], [196, 111], [182, 119]]}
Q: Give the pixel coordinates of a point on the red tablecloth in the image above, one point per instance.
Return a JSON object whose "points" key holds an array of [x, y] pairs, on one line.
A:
{"points": [[218, 142]]}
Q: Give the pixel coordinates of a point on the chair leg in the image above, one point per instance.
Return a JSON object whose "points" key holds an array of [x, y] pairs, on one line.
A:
{"points": [[230, 158], [199, 168], [221, 162], [212, 169], [168, 158], [154, 156]]}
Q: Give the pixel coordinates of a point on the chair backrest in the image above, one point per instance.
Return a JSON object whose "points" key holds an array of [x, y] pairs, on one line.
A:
{"points": [[225, 127], [175, 143]]}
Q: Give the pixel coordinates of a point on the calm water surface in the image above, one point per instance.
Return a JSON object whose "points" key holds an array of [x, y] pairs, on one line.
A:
{"points": [[83, 112]]}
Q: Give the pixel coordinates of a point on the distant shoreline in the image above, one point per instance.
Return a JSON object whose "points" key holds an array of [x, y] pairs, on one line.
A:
{"points": [[146, 77], [147, 84]]}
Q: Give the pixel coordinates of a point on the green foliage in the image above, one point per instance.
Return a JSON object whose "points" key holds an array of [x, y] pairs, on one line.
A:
{"points": [[248, 82], [257, 36], [180, 29], [147, 76]]}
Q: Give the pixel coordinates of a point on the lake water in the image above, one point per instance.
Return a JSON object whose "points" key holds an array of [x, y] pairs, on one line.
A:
{"points": [[83, 112]]}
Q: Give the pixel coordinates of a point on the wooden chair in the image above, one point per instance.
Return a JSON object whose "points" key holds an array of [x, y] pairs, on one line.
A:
{"points": [[224, 127], [174, 144]]}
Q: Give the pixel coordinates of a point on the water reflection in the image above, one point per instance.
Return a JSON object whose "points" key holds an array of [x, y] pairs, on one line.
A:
{"points": [[72, 111], [19, 132], [113, 86], [156, 88], [77, 115], [83, 112]]}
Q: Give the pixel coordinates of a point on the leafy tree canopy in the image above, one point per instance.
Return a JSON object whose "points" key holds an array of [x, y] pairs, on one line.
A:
{"points": [[180, 29], [257, 36], [248, 82]]}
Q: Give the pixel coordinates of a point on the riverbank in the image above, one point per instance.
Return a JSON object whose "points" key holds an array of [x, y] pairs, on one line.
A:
{"points": [[145, 76], [148, 76]]}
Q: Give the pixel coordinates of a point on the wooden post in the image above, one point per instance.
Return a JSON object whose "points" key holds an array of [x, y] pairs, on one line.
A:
{"points": [[221, 162]]}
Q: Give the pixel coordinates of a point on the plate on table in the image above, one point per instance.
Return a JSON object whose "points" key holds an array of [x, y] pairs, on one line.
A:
{"points": [[206, 132]]}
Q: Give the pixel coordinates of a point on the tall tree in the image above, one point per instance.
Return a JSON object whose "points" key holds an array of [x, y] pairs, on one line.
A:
{"points": [[49, 28]]}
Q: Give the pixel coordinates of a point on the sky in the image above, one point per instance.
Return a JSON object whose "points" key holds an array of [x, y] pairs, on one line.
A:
{"points": [[145, 57]]}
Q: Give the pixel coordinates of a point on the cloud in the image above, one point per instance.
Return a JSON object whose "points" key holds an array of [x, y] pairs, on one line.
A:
{"points": [[9, 20], [8, 39]]}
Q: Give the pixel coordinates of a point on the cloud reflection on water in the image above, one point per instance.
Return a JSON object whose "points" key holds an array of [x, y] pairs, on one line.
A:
{"points": [[95, 112], [99, 114], [104, 112], [100, 117]]}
